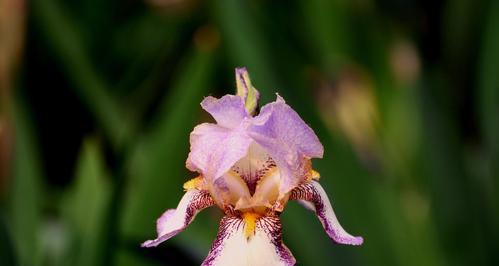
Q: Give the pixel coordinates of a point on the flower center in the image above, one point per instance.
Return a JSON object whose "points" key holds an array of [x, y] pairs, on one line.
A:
{"points": [[250, 219], [252, 184], [253, 167]]}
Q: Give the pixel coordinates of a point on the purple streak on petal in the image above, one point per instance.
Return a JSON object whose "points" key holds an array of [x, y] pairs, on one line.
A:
{"points": [[173, 221], [214, 149], [228, 111], [287, 138], [240, 71], [314, 193], [229, 225], [231, 238], [272, 226]]}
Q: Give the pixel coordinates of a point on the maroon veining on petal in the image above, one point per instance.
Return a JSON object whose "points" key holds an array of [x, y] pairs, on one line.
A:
{"points": [[316, 199], [273, 227], [252, 176], [173, 221], [228, 226], [231, 238]]}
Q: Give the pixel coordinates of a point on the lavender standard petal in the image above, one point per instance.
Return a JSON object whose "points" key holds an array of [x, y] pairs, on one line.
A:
{"points": [[287, 138], [228, 111], [214, 149], [279, 121]]}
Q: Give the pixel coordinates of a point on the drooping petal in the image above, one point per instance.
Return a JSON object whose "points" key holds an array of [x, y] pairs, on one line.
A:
{"points": [[263, 248], [214, 149], [313, 197], [288, 139], [228, 111], [173, 221], [246, 90]]}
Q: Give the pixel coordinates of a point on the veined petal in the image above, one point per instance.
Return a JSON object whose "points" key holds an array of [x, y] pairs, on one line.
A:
{"points": [[228, 111], [288, 140], [313, 197], [264, 248], [173, 221], [214, 149]]}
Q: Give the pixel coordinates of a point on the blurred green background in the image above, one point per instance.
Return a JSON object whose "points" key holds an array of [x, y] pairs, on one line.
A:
{"points": [[97, 100]]}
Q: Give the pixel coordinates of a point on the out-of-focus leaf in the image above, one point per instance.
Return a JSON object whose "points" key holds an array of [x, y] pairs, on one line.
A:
{"points": [[460, 34], [25, 196], [246, 45], [158, 168], [488, 93], [488, 110], [451, 197], [85, 206], [7, 254], [412, 230], [62, 34], [125, 258], [141, 39], [327, 30]]}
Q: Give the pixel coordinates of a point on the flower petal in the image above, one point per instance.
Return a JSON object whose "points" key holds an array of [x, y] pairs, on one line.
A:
{"points": [[228, 111], [288, 139], [313, 197], [214, 149], [264, 248], [173, 221]]}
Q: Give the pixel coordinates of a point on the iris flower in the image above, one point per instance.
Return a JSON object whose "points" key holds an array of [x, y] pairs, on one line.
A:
{"points": [[250, 166]]}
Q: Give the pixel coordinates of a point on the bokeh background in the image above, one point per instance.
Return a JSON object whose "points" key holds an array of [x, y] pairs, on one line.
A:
{"points": [[97, 99]]}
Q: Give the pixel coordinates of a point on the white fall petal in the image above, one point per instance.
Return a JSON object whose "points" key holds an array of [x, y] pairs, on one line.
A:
{"points": [[263, 248], [313, 197], [173, 221]]}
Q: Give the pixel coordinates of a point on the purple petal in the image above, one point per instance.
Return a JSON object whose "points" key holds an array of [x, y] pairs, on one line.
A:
{"points": [[313, 197], [288, 139], [265, 247], [214, 149], [228, 111], [204, 139], [173, 221]]}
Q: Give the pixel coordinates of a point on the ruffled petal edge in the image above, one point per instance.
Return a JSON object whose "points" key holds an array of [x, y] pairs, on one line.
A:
{"points": [[228, 111]]}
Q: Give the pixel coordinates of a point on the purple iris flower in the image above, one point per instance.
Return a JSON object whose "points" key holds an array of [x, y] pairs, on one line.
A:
{"points": [[250, 167]]}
